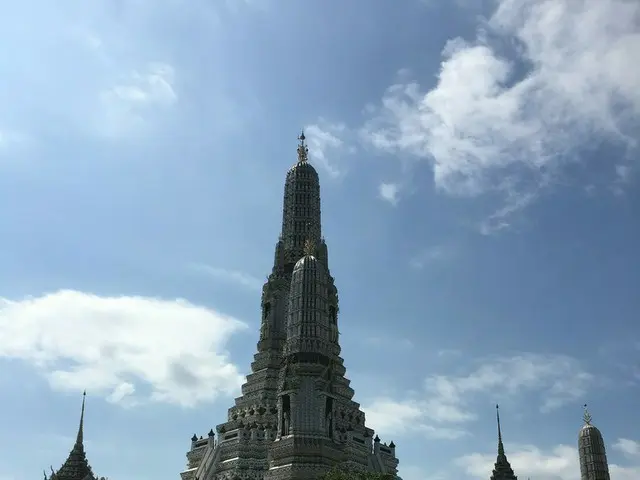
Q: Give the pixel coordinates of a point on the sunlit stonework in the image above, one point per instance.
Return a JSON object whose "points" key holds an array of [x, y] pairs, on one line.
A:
{"points": [[296, 417]]}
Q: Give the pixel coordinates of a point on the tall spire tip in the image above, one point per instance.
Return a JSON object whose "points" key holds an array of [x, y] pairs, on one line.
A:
{"points": [[587, 416], [80, 436], [303, 151], [500, 444]]}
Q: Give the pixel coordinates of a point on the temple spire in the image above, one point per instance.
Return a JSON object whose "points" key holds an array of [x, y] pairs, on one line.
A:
{"points": [[80, 436], [76, 467], [303, 151], [586, 416], [500, 444], [592, 451], [502, 469]]}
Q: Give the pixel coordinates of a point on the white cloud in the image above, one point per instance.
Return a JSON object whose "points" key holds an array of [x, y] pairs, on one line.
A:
{"points": [[449, 353], [497, 124], [128, 104], [8, 137], [389, 192], [127, 348], [630, 448], [443, 408], [558, 463], [326, 145], [389, 416], [102, 68], [430, 255], [231, 276], [10, 140]]}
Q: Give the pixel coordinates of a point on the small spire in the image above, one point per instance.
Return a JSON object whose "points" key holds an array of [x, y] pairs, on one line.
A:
{"points": [[500, 444], [303, 151], [587, 416], [502, 469], [80, 436]]}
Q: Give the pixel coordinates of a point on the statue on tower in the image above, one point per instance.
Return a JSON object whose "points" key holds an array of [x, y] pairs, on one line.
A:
{"points": [[285, 424], [303, 151], [329, 422]]}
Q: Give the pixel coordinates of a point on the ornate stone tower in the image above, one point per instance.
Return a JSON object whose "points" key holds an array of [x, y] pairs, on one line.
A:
{"points": [[593, 457], [502, 469], [76, 467], [296, 417]]}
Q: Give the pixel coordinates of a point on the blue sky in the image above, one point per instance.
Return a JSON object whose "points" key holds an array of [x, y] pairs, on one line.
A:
{"points": [[478, 164]]}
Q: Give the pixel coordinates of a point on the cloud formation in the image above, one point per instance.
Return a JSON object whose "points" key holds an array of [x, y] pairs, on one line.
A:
{"points": [[131, 349], [326, 145], [428, 256], [541, 81], [127, 105], [389, 192], [230, 276], [101, 68], [629, 448], [443, 408], [557, 463]]}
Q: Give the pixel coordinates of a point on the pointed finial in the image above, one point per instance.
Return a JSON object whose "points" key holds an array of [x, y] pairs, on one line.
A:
{"points": [[587, 416], [80, 437], [500, 445], [302, 149]]}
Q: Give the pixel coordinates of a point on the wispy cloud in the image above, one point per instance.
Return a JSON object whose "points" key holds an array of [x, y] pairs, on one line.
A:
{"points": [[389, 192], [630, 448], [230, 276], [555, 463], [327, 145], [123, 347], [429, 255], [445, 405], [9, 138], [509, 124], [138, 96], [449, 353], [110, 68]]}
